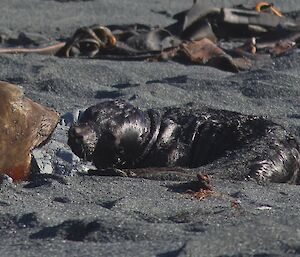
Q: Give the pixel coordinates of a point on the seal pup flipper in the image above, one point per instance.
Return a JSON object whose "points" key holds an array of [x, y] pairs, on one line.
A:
{"points": [[279, 159], [24, 125]]}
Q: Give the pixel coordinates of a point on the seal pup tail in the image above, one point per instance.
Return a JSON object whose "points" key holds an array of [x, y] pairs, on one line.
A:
{"points": [[280, 162]]}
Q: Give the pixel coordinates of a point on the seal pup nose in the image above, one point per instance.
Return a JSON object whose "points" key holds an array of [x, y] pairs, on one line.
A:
{"points": [[82, 133], [82, 140]]}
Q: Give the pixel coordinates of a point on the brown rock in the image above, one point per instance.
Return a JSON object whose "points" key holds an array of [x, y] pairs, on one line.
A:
{"points": [[24, 125]]}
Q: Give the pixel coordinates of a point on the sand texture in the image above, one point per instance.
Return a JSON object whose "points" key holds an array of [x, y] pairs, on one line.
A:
{"points": [[89, 215]]}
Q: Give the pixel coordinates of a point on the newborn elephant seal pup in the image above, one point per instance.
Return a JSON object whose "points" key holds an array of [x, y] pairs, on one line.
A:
{"points": [[116, 134], [24, 125]]}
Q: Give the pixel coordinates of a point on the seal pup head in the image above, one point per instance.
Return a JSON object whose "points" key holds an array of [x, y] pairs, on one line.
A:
{"points": [[111, 134], [24, 125]]}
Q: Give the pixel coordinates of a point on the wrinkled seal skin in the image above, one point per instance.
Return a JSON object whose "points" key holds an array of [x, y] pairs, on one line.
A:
{"points": [[116, 134], [24, 125]]}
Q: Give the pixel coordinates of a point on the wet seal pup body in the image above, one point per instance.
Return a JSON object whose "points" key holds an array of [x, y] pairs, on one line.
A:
{"points": [[24, 125], [116, 134]]}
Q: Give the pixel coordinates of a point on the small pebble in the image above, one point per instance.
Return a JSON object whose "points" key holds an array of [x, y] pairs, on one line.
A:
{"points": [[263, 208], [42, 162], [70, 118], [47, 169], [62, 199], [68, 156], [5, 180]]}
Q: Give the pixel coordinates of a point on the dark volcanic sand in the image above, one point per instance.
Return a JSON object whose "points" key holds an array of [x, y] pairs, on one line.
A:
{"points": [[83, 215]]}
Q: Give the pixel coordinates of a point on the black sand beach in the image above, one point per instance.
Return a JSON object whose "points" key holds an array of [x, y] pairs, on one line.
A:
{"points": [[71, 213]]}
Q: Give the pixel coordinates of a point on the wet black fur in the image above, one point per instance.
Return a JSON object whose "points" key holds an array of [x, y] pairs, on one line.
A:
{"points": [[225, 143]]}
